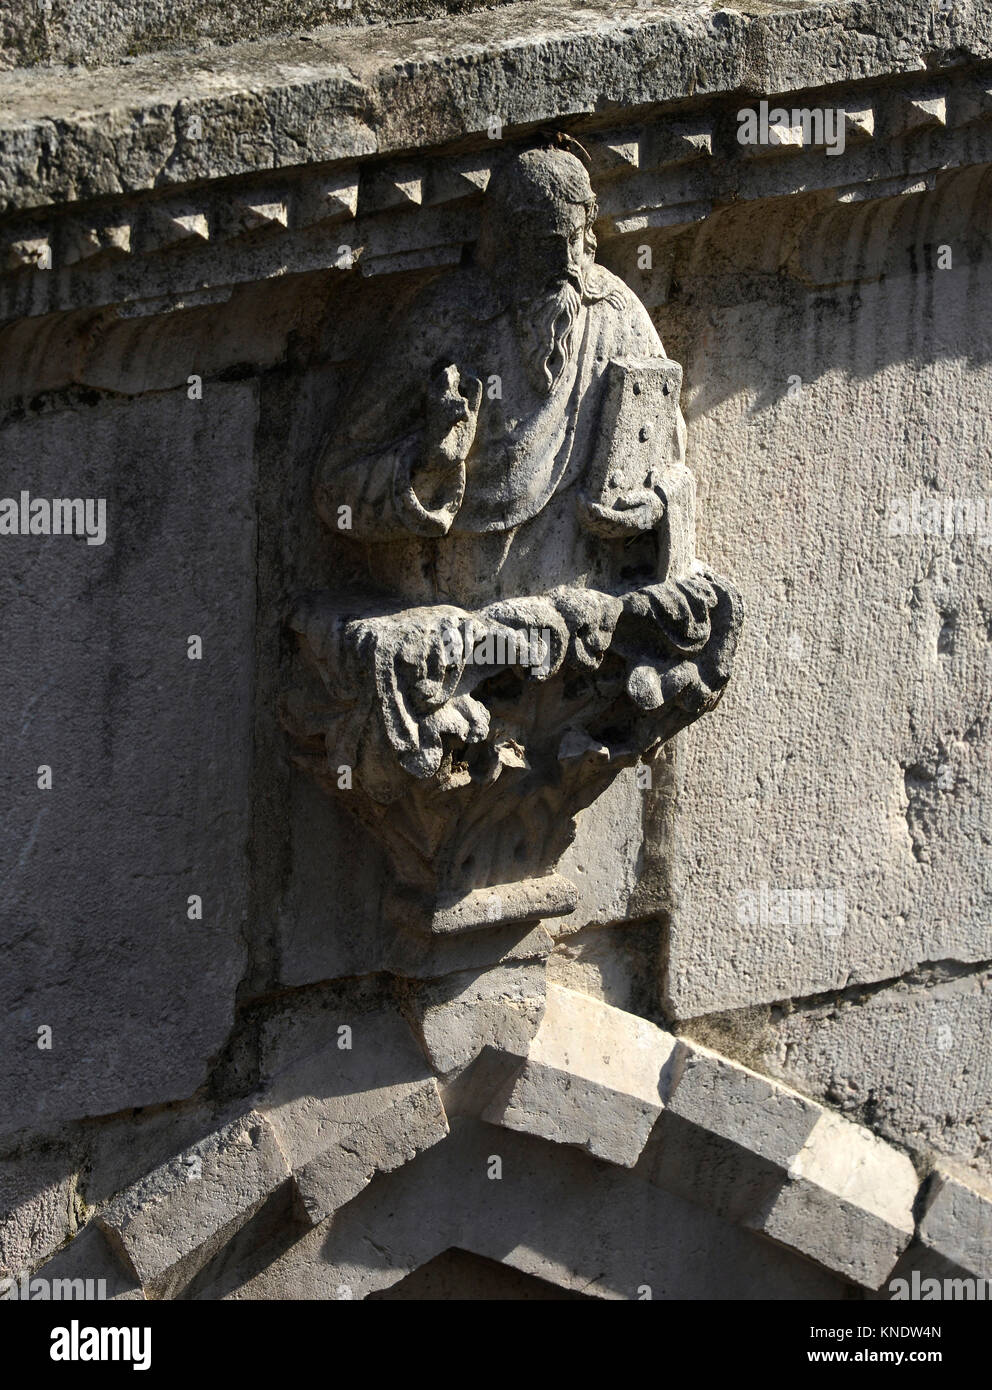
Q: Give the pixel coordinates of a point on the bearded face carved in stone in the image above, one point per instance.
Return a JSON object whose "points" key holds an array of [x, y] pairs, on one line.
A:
{"points": [[533, 618]]}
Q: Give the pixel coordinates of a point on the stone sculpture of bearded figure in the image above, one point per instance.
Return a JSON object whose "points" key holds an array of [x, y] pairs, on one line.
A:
{"points": [[512, 462], [485, 402]]}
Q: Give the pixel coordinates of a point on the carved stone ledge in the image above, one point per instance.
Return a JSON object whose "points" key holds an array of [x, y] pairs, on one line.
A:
{"points": [[420, 212], [213, 211]]}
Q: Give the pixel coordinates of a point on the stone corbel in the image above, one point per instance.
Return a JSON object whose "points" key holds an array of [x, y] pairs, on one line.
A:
{"points": [[466, 729]]}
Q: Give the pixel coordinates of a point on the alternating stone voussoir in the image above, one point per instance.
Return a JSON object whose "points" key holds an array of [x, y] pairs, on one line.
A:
{"points": [[728, 1135], [957, 1222], [847, 1202], [594, 1076], [344, 1113], [168, 1225]]}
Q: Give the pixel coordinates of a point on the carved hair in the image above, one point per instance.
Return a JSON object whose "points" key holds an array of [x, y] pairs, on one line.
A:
{"points": [[539, 179]]}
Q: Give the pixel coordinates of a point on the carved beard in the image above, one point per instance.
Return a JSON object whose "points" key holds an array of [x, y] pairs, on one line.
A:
{"points": [[547, 329]]}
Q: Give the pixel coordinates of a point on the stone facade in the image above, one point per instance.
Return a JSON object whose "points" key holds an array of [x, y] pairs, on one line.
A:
{"points": [[496, 807]]}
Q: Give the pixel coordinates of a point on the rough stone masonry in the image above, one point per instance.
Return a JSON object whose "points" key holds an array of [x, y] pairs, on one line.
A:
{"points": [[496, 750]]}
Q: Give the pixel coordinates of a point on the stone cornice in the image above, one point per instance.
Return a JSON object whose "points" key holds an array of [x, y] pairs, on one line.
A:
{"points": [[71, 135], [172, 248]]}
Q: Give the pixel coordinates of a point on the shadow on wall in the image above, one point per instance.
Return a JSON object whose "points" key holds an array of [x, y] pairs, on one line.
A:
{"points": [[805, 269]]}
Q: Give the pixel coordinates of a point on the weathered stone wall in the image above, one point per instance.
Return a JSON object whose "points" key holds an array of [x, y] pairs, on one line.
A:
{"points": [[693, 1083], [860, 759]]}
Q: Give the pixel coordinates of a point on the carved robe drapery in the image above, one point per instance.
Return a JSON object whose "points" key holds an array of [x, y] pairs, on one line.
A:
{"points": [[530, 446]]}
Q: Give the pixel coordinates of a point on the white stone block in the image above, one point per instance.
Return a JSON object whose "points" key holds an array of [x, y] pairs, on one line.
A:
{"points": [[847, 1202], [594, 1076]]}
